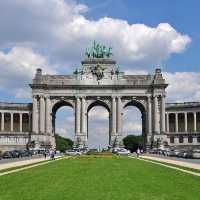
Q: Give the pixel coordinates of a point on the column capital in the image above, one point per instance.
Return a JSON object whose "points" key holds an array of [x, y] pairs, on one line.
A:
{"points": [[34, 96], [42, 96], [77, 97], [113, 96]]}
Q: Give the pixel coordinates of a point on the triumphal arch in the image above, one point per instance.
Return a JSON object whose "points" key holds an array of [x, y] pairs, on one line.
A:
{"points": [[99, 81]]}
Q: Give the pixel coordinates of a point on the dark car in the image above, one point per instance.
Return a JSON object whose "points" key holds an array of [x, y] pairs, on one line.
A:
{"points": [[182, 154], [15, 154], [7, 154], [25, 153], [189, 154]]}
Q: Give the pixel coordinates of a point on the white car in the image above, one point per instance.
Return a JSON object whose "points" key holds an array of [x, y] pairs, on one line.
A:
{"points": [[123, 152], [73, 152], [196, 153]]}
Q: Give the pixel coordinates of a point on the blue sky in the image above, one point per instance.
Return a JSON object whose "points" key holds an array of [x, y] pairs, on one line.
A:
{"points": [[53, 34], [181, 14]]}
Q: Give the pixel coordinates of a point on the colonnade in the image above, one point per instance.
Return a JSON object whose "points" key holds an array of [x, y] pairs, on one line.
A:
{"points": [[8, 121], [182, 121]]}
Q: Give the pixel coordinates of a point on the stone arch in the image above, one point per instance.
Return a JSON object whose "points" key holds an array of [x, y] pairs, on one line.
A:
{"points": [[98, 102], [141, 105], [105, 104], [56, 105]]}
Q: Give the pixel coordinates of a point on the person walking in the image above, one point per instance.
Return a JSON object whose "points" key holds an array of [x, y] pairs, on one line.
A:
{"points": [[45, 154], [138, 152]]}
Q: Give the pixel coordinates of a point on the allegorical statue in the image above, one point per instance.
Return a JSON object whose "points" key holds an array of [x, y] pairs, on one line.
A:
{"points": [[98, 51]]}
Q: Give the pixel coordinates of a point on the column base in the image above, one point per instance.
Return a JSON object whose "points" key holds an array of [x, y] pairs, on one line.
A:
{"points": [[43, 141], [116, 141], [81, 141], [157, 141]]}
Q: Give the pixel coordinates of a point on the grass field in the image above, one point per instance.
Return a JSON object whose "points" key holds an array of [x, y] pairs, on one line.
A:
{"points": [[99, 178]]}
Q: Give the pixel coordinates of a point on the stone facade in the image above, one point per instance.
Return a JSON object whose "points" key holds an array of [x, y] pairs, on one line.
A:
{"points": [[96, 82]]}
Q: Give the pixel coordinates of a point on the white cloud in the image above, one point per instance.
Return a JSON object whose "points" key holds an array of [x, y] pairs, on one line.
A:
{"points": [[183, 86], [59, 29], [17, 70]]}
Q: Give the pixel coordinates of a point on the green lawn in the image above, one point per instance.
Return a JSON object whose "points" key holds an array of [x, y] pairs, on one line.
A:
{"points": [[101, 178]]}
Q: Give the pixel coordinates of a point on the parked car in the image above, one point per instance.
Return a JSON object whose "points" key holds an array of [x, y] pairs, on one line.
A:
{"points": [[189, 154], [196, 153], [169, 152], [176, 152], [15, 154], [115, 150], [123, 152], [7, 154], [25, 153], [182, 154], [73, 152]]}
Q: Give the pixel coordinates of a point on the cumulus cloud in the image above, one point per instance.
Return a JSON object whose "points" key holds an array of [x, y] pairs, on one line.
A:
{"points": [[17, 69], [63, 32], [183, 86], [51, 33]]}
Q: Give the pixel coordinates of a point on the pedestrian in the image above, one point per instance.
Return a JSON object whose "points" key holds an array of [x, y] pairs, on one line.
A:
{"points": [[45, 154], [138, 152], [52, 154]]}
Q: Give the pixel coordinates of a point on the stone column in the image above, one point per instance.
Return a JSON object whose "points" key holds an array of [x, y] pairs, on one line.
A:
{"points": [[48, 116], [119, 116], [42, 114], [2, 121], [185, 117], [83, 117], [11, 122], [176, 122], [167, 122], [29, 122], [162, 115], [156, 119], [195, 122], [20, 122], [149, 117], [77, 115], [113, 115], [35, 115]]}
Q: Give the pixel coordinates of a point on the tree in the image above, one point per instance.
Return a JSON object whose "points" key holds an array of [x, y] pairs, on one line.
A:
{"points": [[62, 144], [132, 142]]}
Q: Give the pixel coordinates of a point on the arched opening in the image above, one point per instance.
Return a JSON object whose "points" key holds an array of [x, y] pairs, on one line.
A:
{"points": [[134, 120], [63, 121], [98, 125]]}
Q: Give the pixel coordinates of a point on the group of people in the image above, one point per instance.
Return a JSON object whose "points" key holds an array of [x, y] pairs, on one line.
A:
{"points": [[51, 154], [139, 151]]}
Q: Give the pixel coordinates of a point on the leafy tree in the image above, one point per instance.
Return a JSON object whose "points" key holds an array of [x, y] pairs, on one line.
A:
{"points": [[132, 142], [62, 144]]}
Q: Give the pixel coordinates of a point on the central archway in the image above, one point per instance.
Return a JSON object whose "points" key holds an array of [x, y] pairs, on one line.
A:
{"points": [[98, 125]]}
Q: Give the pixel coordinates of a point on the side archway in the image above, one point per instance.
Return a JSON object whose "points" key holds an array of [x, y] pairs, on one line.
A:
{"points": [[67, 118], [140, 111]]}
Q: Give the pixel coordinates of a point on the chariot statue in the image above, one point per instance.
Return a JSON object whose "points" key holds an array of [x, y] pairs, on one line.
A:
{"points": [[98, 51]]}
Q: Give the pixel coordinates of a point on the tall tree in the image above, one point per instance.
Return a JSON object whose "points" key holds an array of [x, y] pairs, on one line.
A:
{"points": [[132, 142], [62, 144]]}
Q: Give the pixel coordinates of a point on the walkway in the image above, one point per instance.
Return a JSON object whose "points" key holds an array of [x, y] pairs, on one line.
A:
{"points": [[22, 162], [174, 162], [32, 165]]}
